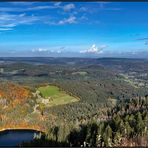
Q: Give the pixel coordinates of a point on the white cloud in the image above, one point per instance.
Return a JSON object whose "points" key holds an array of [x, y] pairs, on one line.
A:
{"points": [[59, 51], [47, 51], [11, 20], [24, 9], [68, 7], [94, 49], [57, 4], [21, 3], [5, 29], [70, 20], [40, 8], [40, 50]]}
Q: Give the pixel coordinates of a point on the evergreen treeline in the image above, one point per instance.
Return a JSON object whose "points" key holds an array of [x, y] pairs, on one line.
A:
{"points": [[126, 125]]}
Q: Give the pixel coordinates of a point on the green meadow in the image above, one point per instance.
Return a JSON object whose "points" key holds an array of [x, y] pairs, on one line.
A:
{"points": [[49, 91], [56, 96]]}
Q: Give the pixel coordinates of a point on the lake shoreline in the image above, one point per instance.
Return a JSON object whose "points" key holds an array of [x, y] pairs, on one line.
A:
{"points": [[20, 129], [15, 137]]}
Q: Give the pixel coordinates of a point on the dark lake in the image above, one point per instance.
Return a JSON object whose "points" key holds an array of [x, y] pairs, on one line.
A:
{"points": [[15, 137]]}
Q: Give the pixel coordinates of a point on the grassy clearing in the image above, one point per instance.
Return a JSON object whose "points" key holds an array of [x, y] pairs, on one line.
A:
{"points": [[49, 91], [57, 97], [83, 73]]}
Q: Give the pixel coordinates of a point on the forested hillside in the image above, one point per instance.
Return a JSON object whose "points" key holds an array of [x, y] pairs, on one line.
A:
{"points": [[75, 101], [126, 125]]}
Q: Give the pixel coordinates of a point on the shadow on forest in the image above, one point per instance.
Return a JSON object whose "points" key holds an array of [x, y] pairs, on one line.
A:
{"points": [[75, 138], [43, 141]]}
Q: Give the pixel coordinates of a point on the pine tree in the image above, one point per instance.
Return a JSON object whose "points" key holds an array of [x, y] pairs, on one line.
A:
{"points": [[100, 132], [128, 130], [140, 125], [107, 136], [117, 138]]}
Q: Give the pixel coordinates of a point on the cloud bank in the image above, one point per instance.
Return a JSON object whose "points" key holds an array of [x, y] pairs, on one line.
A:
{"points": [[94, 49]]}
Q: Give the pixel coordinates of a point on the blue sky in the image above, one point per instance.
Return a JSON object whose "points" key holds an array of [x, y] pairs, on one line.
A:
{"points": [[86, 29]]}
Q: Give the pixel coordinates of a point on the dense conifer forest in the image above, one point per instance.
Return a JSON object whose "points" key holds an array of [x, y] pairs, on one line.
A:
{"points": [[125, 125]]}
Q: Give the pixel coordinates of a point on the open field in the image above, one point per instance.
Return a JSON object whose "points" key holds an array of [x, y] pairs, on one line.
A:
{"points": [[48, 91], [55, 96]]}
